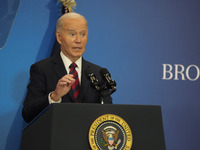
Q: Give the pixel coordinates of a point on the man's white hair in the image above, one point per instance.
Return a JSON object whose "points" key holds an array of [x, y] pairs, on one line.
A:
{"points": [[59, 24]]}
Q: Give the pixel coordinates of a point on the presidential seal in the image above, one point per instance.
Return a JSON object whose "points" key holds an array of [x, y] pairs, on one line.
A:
{"points": [[110, 132]]}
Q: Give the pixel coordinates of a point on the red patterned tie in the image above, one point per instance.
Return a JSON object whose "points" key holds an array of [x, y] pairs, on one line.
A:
{"points": [[75, 86]]}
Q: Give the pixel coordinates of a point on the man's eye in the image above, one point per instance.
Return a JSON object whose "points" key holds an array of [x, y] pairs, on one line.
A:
{"points": [[72, 34], [82, 34]]}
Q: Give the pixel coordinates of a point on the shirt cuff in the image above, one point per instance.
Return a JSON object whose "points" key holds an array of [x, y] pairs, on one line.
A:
{"points": [[52, 101]]}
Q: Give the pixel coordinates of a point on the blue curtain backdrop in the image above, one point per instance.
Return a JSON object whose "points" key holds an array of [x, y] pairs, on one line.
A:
{"points": [[150, 47]]}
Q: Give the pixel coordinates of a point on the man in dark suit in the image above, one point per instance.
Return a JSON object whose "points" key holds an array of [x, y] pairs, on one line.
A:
{"points": [[51, 80]]}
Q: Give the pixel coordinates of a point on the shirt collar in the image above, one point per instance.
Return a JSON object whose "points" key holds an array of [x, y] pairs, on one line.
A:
{"points": [[67, 62]]}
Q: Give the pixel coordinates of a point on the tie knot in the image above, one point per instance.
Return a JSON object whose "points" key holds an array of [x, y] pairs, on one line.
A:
{"points": [[73, 65]]}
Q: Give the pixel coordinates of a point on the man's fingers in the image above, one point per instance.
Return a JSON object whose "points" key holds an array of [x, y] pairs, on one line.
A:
{"points": [[66, 81], [68, 76], [63, 86]]}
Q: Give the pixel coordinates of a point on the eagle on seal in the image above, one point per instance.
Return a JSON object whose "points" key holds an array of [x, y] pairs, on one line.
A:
{"points": [[110, 135]]}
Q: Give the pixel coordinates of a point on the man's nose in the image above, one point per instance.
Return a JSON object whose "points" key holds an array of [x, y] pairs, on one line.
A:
{"points": [[78, 39]]}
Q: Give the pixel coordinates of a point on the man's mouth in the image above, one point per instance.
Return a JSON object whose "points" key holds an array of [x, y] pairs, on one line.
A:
{"points": [[77, 48]]}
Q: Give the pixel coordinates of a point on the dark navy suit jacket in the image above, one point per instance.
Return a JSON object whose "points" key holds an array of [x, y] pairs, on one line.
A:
{"points": [[44, 76]]}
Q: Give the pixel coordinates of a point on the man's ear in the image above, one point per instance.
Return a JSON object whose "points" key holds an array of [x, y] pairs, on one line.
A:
{"points": [[58, 37]]}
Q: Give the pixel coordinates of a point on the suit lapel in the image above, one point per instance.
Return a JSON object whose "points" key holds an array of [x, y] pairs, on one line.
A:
{"points": [[58, 66], [61, 71]]}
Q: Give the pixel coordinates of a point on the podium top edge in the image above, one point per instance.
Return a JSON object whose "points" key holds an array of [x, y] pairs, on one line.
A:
{"points": [[97, 104], [55, 105]]}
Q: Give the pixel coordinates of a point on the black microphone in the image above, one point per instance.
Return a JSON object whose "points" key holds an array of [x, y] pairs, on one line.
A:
{"points": [[94, 82], [106, 76]]}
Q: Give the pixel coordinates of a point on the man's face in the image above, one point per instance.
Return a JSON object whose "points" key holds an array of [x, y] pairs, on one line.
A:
{"points": [[73, 37]]}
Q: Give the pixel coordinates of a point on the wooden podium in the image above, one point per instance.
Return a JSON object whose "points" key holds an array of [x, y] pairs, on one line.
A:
{"points": [[66, 126]]}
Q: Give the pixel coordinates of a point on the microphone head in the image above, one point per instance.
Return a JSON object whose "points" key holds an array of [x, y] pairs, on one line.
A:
{"points": [[91, 76], [104, 72]]}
